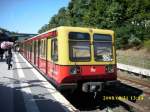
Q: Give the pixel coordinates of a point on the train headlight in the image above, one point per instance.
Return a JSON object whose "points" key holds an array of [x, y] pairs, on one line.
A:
{"points": [[109, 68], [74, 70]]}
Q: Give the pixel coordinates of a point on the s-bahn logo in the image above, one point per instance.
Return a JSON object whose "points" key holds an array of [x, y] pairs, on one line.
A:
{"points": [[93, 69]]}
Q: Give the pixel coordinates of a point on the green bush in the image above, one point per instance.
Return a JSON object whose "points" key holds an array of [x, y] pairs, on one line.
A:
{"points": [[134, 41], [147, 45]]}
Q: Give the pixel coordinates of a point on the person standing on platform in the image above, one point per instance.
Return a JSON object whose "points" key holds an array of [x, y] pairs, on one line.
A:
{"points": [[9, 58], [1, 53]]}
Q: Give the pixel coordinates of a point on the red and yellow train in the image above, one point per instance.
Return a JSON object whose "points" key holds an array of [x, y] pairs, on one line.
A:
{"points": [[74, 57]]}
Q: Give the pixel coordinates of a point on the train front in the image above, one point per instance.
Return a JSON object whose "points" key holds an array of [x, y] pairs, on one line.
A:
{"points": [[87, 58]]}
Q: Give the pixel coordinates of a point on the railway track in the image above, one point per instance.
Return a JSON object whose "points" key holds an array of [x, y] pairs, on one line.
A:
{"points": [[87, 103], [129, 103], [145, 87], [133, 87]]}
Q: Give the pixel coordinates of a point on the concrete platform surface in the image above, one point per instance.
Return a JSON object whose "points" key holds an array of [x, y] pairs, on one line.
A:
{"points": [[24, 89]]}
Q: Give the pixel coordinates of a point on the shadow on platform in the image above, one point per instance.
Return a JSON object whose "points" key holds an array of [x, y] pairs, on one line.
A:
{"points": [[12, 98], [3, 60]]}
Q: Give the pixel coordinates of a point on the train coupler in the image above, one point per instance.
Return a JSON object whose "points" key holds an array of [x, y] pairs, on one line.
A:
{"points": [[92, 86]]}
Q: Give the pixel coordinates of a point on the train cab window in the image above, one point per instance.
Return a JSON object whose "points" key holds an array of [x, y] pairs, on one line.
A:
{"points": [[79, 46], [103, 47], [54, 50]]}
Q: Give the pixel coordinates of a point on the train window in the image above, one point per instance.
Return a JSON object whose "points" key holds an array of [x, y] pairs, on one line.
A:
{"points": [[33, 46], [79, 36], [79, 46], [36, 47], [30, 47], [79, 51], [39, 46], [102, 37], [103, 47], [54, 50], [42, 47]]}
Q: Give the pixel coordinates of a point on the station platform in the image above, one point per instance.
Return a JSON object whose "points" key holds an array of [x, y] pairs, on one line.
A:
{"points": [[24, 89]]}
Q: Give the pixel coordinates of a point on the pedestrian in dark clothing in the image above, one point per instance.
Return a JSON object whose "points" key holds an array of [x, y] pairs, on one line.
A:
{"points": [[9, 58], [1, 53]]}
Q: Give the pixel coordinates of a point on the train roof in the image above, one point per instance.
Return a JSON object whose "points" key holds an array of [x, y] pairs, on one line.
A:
{"points": [[69, 28]]}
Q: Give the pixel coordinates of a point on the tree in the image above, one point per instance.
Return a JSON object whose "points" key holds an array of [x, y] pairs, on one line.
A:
{"points": [[125, 17]]}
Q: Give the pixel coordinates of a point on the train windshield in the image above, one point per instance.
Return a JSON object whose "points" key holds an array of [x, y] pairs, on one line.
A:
{"points": [[102, 47], [79, 46]]}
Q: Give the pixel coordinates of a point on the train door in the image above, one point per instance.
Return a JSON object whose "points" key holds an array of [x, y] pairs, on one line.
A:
{"points": [[40, 53], [46, 48], [30, 51], [39, 43], [32, 58], [34, 52], [54, 56], [27, 49]]}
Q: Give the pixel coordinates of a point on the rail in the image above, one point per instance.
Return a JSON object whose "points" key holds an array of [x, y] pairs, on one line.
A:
{"points": [[129, 103], [134, 69]]}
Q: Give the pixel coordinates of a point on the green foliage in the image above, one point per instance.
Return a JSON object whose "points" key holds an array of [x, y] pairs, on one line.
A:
{"points": [[43, 29], [127, 18], [147, 45], [134, 41]]}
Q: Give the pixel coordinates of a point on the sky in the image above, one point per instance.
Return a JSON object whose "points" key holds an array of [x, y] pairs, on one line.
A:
{"points": [[28, 16]]}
